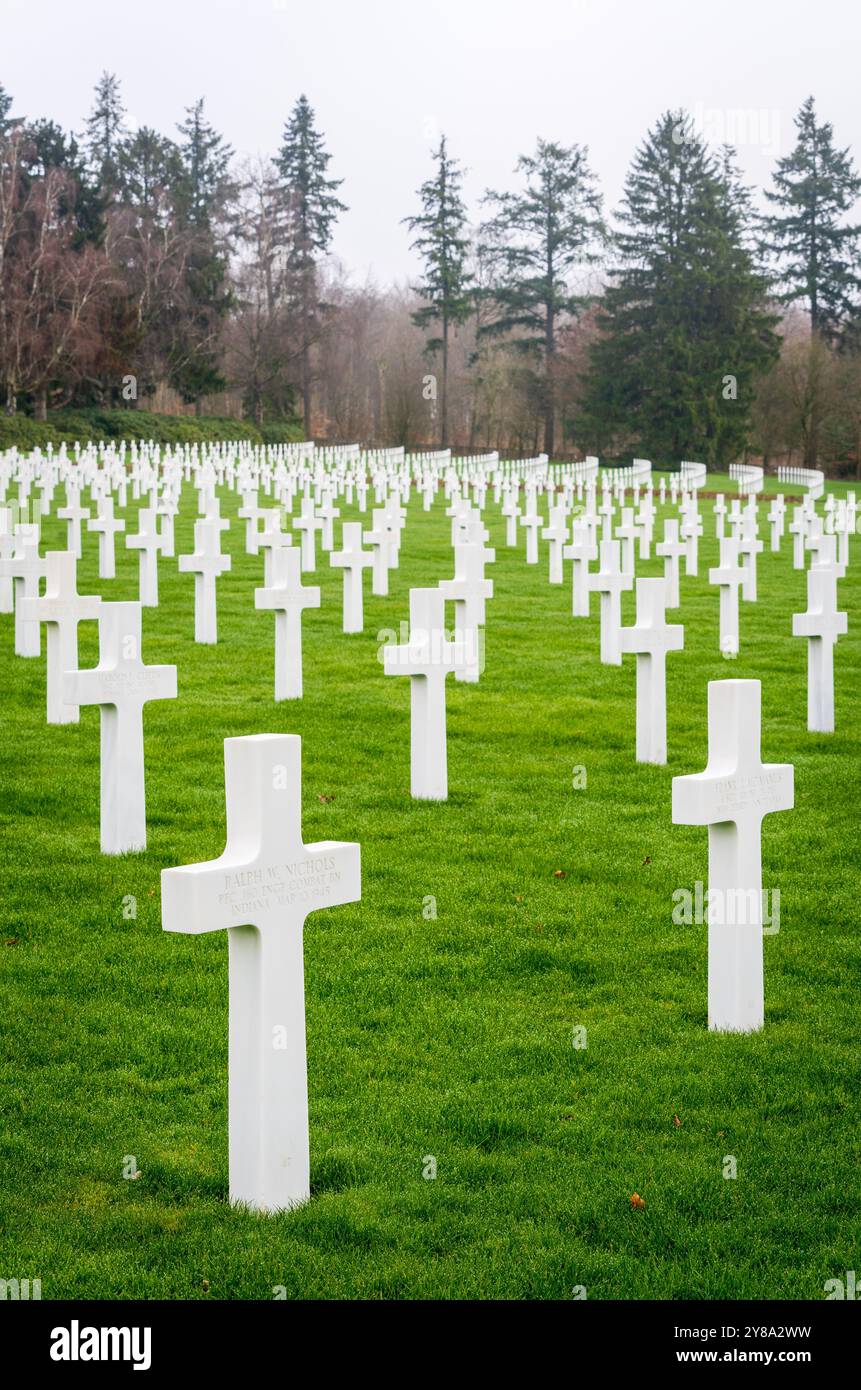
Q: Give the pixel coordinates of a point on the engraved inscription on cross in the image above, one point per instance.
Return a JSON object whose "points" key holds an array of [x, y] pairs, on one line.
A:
{"points": [[260, 890], [732, 797]]}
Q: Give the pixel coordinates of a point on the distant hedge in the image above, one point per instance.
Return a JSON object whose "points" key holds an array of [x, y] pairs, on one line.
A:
{"points": [[81, 425]]}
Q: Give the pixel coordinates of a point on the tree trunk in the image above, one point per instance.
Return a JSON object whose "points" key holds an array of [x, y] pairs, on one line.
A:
{"points": [[549, 383], [811, 443], [40, 405], [306, 357], [443, 423]]}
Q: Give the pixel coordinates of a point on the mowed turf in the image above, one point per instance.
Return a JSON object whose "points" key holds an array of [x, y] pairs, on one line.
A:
{"points": [[446, 1036]]}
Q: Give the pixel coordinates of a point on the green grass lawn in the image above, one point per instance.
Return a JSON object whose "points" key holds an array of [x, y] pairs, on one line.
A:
{"points": [[450, 1036]]}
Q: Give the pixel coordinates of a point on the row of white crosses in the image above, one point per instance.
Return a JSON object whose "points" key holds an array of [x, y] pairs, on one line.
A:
{"points": [[735, 575], [120, 685], [288, 597], [266, 881], [262, 887], [736, 791], [614, 574]]}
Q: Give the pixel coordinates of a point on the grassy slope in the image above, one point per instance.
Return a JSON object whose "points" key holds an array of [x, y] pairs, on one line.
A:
{"points": [[447, 1037]]}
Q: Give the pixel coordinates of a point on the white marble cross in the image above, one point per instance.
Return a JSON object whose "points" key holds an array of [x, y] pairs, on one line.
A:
{"points": [[286, 595], [468, 591], [353, 560], [691, 530], [427, 658], [260, 890], [396, 519], [720, 515], [308, 524], [121, 685], [581, 549], [206, 564], [106, 525], [823, 548], [671, 549], [327, 512], [62, 608], [749, 546], [646, 525], [250, 512], [167, 508], [822, 624], [777, 521], [533, 521], [651, 638], [733, 795], [379, 540], [272, 539], [626, 533], [798, 531], [511, 512], [8, 547], [609, 581], [25, 568], [729, 575], [212, 512], [556, 532], [73, 514], [148, 543]]}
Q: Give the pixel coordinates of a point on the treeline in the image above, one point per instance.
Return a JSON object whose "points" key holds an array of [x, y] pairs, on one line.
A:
{"points": [[692, 325]]}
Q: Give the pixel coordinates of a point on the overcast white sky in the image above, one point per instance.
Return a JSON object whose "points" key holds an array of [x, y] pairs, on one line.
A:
{"points": [[385, 76]]}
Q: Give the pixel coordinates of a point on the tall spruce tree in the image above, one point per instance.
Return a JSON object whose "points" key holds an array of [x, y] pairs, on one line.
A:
{"points": [[147, 163], [816, 249], [105, 132], [443, 245], [204, 198], [309, 209], [685, 326], [534, 241], [53, 149]]}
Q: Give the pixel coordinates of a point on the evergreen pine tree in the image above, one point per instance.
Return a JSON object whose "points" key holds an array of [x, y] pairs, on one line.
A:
{"points": [[535, 239], [816, 250], [53, 149], [310, 208], [203, 197], [685, 327], [147, 162], [443, 245], [105, 131]]}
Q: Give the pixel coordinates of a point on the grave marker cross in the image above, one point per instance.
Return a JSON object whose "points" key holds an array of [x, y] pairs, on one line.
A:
{"points": [[651, 638], [260, 890], [732, 796], [121, 684], [62, 608]]}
